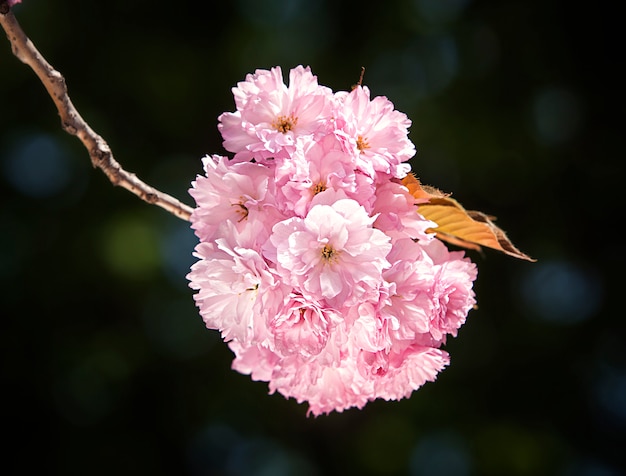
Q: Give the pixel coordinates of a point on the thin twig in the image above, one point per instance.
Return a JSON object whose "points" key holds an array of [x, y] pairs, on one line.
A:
{"points": [[99, 151]]}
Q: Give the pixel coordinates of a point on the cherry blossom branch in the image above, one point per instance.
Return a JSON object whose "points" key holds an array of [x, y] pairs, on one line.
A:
{"points": [[72, 122]]}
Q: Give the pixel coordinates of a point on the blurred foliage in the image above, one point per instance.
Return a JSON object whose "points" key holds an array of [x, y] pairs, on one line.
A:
{"points": [[106, 365]]}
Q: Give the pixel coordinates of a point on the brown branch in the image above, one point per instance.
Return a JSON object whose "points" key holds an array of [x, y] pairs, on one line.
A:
{"points": [[99, 151]]}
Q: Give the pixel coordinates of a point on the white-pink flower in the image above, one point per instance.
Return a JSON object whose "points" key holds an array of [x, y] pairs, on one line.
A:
{"points": [[333, 253], [270, 116], [301, 327], [236, 192], [452, 293], [374, 132], [408, 370], [236, 288]]}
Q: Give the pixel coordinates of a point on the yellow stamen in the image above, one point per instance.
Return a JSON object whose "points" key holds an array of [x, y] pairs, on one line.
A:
{"points": [[329, 254], [242, 210], [320, 187], [285, 123], [361, 143]]}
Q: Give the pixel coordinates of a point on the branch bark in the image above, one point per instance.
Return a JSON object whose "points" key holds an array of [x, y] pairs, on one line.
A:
{"points": [[72, 122]]}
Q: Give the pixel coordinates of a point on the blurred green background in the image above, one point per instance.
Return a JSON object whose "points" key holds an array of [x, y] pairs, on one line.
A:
{"points": [[517, 108]]}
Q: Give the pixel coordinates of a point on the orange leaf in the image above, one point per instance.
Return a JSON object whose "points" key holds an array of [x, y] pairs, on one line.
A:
{"points": [[455, 225]]}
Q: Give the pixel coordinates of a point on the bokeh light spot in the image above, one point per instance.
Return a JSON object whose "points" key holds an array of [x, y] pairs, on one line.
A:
{"points": [[556, 115], [130, 247], [440, 454], [37, 166], [561, 292], [610, 393]]}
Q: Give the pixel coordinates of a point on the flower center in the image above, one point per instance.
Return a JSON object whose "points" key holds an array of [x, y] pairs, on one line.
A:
{"points": [[319, 187], [361, 143], [329, 254], [285, 123], [242, 210]]}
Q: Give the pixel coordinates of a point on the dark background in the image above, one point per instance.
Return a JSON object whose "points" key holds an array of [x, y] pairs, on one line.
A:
{"points": [[107, 368]]}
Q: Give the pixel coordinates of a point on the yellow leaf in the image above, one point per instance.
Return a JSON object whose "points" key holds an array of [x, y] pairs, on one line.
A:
{"points": [[455, 225]]}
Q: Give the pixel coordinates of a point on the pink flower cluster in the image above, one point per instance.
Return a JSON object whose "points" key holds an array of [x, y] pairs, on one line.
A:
{"points": [[313, 261]]}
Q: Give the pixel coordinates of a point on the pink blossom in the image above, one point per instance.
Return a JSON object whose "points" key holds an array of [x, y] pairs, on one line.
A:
{"points": [[257, 361], [410, 369], [452, 292], [237, 192], [270, 116], [397, 213], [236, 288], [333, 253], [314, 262], [336, 389], [409, 306], [374, 132], [319, 166], [13, 2], [301, 327], [431, 292]]}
